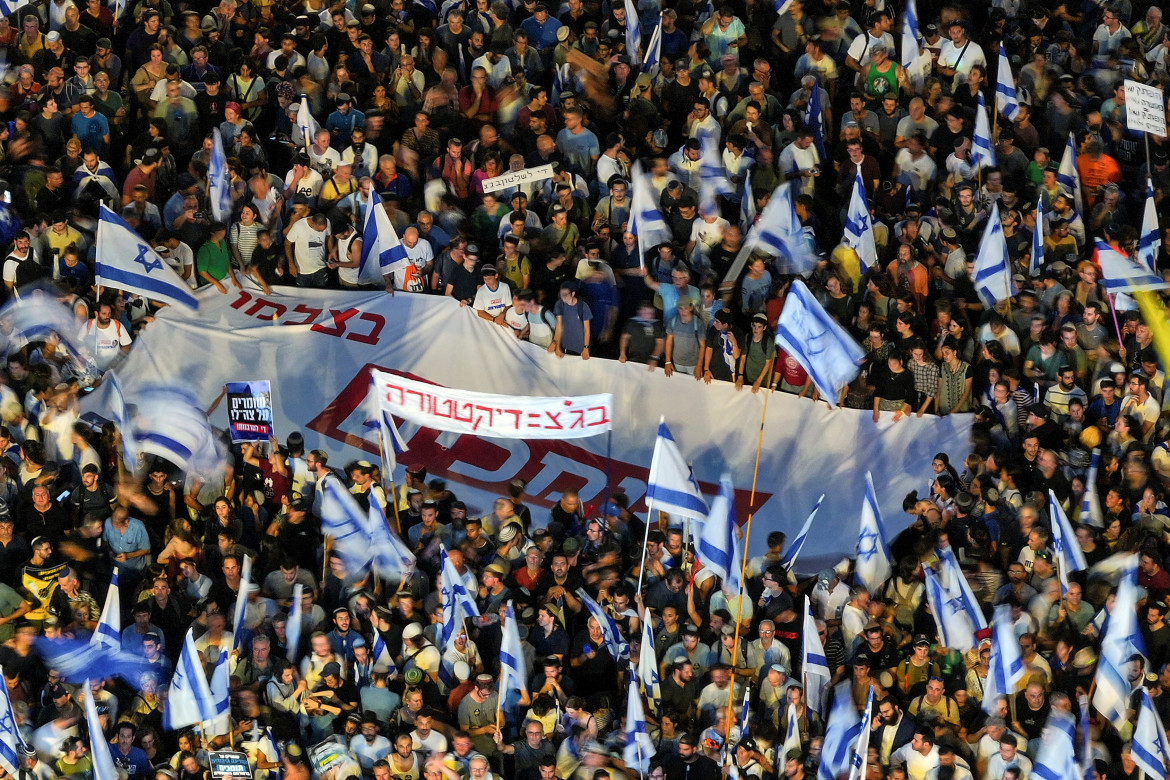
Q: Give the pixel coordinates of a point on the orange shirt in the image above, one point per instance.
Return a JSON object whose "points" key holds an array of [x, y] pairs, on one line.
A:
{"points": [[1096, 174]]}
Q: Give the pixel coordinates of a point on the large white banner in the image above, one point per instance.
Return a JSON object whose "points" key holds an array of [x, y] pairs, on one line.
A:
{"points": [[490, 414], [317, 348]]}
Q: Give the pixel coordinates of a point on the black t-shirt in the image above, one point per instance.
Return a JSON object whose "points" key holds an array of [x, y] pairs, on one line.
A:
{"points": [[463, 283], [720, 343], [1031, 720]]}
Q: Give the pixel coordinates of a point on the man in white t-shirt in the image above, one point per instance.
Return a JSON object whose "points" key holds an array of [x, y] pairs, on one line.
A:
{"points": [[307, 246], [492, 299], [106, 338], [302, 179], [324, 157], [21, 251], [422, 261]]}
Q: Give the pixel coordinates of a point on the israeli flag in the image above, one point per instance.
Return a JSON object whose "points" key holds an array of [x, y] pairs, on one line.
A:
{"points": [[993, 269], [859, 226], [814, 664], [646, 220], [391, 558], [818, 342], [170, 423], [512, 674], [778, 232], [343, 520], [190, 700], [843, 730], [1151, 237], [1091, 502], [428, 5], [873, 558], [745, 714], [650, 63], [951, 619], [103, 761], [1064, 543], [305, 121], [219, 187], [1149, 749], [1057, 757], [1069, 177], [718, 543], [816, 117], [952, 578], [781, 6], [910, 34], [672, 487], [77, 660], [791, 733], [122, 419], [1007, 665], [220, 722], [714, 176], [633, 34], [382, 251], [861, 752], [1007, 102], [1121, 273], [295, 622], [109, 627], [383, 661], [11, 742], [797, 544], [982, 147], [639, 748], [36, 314], [609, 629], [241, 602], [561, 79], [1037, 261], [747, 203], [126, 262], [647, 671], [458, 604], [1121, 642]]}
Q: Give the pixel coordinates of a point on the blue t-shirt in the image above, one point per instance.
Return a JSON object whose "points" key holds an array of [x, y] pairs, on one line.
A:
{"points": [[579, 150], [91, 131], [136, 764], [573, 322]]}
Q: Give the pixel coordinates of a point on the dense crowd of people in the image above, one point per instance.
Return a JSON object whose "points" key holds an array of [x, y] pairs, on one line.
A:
{"points": [[416, 108]]}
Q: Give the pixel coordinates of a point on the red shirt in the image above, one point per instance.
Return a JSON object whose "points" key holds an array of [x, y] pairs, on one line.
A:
{"points": [[275, 485]]}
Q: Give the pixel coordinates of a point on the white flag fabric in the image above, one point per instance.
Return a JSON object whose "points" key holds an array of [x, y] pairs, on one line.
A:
{"points": [[125, 262], [719, 548], [747, 203], [778, 232], [295, 620], [11, 742], [512, 674], [1120, 273], [170, 423], [1007, 102], [647, 671], [713, 180], [791, 733], [219, 188], [814, 665], [982, 148], [392, 559], [343, 520], [993, 269], [1068, 177], [190, 700], [1149, 749], [220, 722], [646, 220], [305, 121], [1064, 542], [1007, 665], [633, 34], [1057, 758], [955, 629], [382, 251], [797, 544], [241, 602], [841, 734], [861, 752], [909, 34], [1036, 262], [653, 51], [1091, 502], [124, 424], [109, 627], [458, 604], [873, 557], [818, 343], [103, 761], [859, 226], [639, 748], [1151, 236], [1121, 642], [614, 641], [952, 578], [34, 315], [672, 487]]}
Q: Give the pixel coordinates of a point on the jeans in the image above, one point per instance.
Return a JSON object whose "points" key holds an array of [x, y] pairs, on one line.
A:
{"points": [[315, 279]]}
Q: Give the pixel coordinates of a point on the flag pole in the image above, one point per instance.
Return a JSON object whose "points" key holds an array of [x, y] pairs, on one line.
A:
{"points": [[389, 474], [747, 535]]}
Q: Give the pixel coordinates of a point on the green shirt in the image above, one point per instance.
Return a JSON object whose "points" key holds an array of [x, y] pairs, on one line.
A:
{"points": [[214, 259]]}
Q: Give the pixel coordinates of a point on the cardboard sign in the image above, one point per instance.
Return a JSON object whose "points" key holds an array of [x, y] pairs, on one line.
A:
{"points": [[229, 765], [250, 411], [512, 178], [1145, 109]]}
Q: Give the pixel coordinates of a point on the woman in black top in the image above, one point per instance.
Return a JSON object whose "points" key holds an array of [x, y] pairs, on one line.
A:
{"points": [[893, 388]]}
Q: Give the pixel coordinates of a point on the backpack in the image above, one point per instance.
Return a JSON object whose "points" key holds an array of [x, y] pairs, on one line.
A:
{"points": [[28, 271]]}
